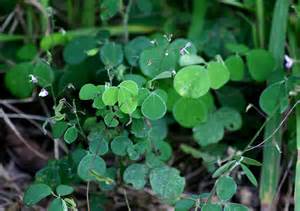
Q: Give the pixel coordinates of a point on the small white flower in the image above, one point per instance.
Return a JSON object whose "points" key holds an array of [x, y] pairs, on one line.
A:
{"points": [[33, 79], [289, 62], [43, 93], [71, 86]]}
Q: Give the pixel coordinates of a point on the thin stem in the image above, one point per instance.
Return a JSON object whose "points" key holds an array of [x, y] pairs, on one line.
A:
{"points": [[125, 21], [260, 22], [87, 196]]}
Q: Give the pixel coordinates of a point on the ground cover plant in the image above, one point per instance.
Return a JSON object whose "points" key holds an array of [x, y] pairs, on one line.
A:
{"points": [[150, 105]]}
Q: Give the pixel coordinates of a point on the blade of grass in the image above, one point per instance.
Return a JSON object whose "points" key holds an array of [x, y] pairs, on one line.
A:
{"points": [[198, 18], [297, 177], [88, 15], [271, 155], [260, 22]]}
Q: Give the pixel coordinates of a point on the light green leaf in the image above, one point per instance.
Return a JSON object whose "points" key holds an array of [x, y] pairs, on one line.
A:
{"points": [[87, 164], [75, 51], [111, 54], [58, 204], [249, 175], [110, 96], [167, 183], [35, 193], [236, 67], [223, 169], [127, 97], [250, 161], [225, 188], [189, 112], [192, 81], [71, 135], [135, 174], [190, 59], [88, 92], [27, 52], [156, 60], [260, 64], [120, 144], [218, 74], [63, 190], [154, 107]]}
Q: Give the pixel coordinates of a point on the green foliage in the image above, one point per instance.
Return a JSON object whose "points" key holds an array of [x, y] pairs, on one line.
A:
{"points": [[225, 188], [167, 183], [35, 193], [137, 86]]}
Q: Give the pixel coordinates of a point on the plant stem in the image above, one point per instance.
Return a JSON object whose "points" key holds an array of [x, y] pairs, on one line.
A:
{"points": [[125, 21], [260, 22], [271, 155], [297, 177]]}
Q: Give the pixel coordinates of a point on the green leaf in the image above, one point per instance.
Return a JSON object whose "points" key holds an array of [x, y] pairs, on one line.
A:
{"points": [[88, 92], [35, 193], [71, 135], [87, 164], [218, 74], [44, 73], [163, 150], [75, 51], [167, 183], [156, 60], [223, 169], [134, 48], [58, 129], [111, 54], [209, 132], [120, 144], [127, 97], [135, 174], [110, 120], [190, 59], [189, 112], [58, 204], [109, 8], [236, 67], [211, 207], [260, 64], [139, 79], [235, 207], [154, 107], [145, 6], [250, 161], [225, 188], [184, 205], [249, 175], [181, 47], [274, 97], [27, 52], [237, 48], [97, 143], [63, 190], [110, 96], [229, 118], [192, 81], [17, 80]]}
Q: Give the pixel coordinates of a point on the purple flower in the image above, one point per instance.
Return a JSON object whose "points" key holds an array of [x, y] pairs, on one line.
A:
{"points": [[33, 79], [288, 62]]}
